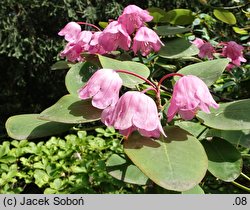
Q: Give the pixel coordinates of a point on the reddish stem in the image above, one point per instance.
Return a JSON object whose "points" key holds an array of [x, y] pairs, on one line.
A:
{"points": [[89, 24], [167, 76], [139, 76]]}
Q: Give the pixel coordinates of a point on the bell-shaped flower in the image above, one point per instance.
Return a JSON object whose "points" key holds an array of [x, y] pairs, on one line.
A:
{"points": [[134, 111], [94, 46], [114, 36], [233, 51], [134, 17], [190, 94], [145, 41], [70, 31], [103, 86], [205, 48], [73, 50]]}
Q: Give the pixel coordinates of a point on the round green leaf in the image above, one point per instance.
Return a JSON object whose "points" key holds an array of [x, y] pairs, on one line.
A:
{"points": [[229, 116], [178, 48], [171, 30], [124, 170], [78, 75], [225, 16], [224, 160], [180, 16], [241, 137], [177, 162], [208, 71], [128, 80], [59, 65], [195, 190], [28, 126], [70, 109]]}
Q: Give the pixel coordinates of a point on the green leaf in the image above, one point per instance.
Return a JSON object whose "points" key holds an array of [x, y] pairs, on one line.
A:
{"points": [[160, 15], [196, 129], [208, 71], [59, 65], [103, 24], [28, 126], [225, 16], [124, 170], [41, 177], [180, 17], [78, 75], [241, 137], [195, 190], [171, 30], [4, 148], [70, 109], [240, 31], [224, 160], [229, 116], [177, 162], [178, 48], [128, 80], [8, 159]]}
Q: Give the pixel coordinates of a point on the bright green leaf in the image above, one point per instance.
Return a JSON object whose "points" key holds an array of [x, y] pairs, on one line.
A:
{"points": [[41, 177], [208, 71], [240, 137], [160, 15], [28, 126], [180, 17], [178, 48], [78, 75], [8, 159], [71, 109], [124, 170], [177, 162], [229, 116], [128, 80], [225, 16], [224, 160], [240, 31], [103, 24]]}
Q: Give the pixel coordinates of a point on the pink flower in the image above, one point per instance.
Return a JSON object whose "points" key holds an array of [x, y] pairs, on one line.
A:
{"points": [[233, 51], [73, 50], [206, 49], [104, 87], [134, 111], [134, 17], [146, 40], [70, 31], [94, 45], [114, 36], [190, 94]]}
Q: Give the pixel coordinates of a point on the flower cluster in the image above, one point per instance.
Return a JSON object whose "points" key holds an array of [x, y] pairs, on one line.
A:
{"points": [[127, 32], [230, 50], [125, 113]]}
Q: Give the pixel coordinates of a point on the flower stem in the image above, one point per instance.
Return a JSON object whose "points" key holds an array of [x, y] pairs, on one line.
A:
{"points": [[245, 176], [241, 186], [167, 76], [89, 24], [139, 76]]}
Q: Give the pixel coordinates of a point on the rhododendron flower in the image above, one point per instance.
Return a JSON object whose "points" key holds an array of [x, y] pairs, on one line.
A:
{"points": [[114, 36], [134, 111], [70, 31], [233, 51], [104, 87], [73, 50], [145, 41], [190, 94], [94, 45], [206, 49], [134, 17]]}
